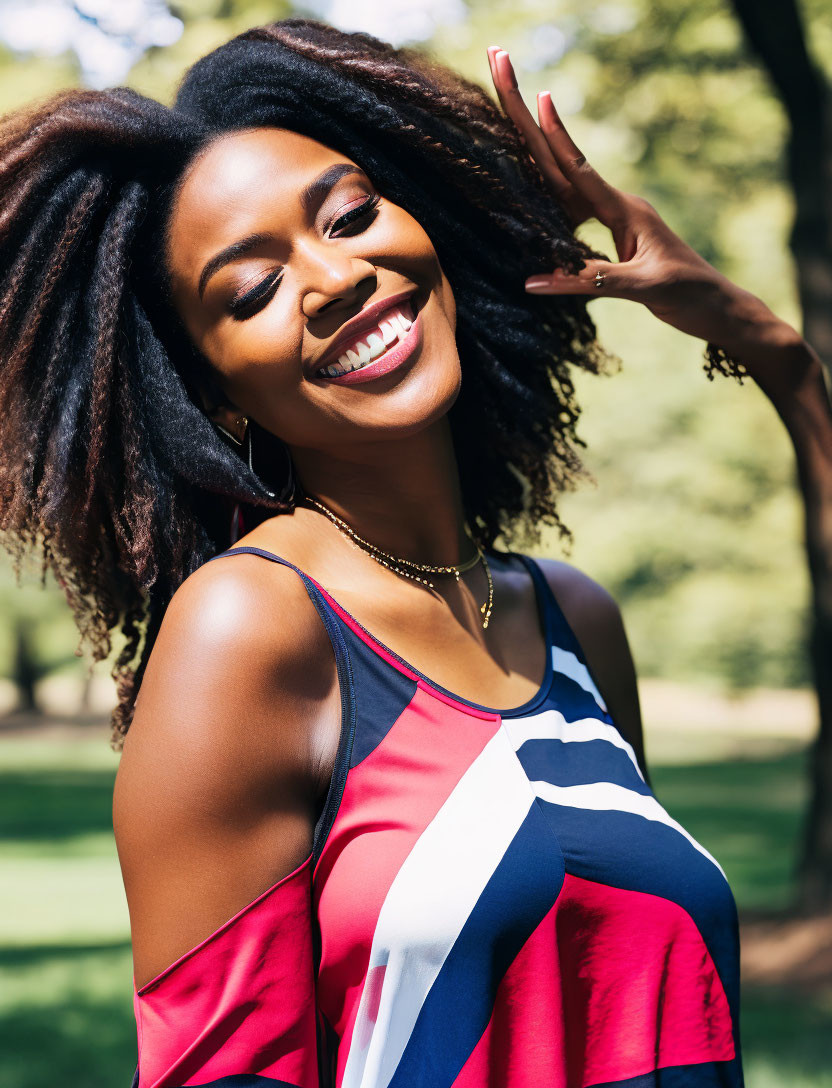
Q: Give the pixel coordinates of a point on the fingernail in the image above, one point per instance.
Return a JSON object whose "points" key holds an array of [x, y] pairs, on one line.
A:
{"points": [[535, 282], [511, 75]]}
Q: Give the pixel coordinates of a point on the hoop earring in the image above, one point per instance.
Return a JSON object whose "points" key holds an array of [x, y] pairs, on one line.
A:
{"points": [[230, 434]]}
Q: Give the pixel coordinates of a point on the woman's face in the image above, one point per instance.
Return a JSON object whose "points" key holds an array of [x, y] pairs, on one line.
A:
{"points": [[284, 260]]}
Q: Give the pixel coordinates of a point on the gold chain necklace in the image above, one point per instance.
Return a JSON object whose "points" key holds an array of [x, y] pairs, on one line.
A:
{"points": [[397, 565]]}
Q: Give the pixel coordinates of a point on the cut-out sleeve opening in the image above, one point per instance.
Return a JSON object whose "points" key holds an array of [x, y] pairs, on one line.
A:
{"points": [[241, 1002]]}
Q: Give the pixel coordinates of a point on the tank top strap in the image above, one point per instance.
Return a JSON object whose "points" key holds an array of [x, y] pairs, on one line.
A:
{"points": [[568, 657], [346, 683]]}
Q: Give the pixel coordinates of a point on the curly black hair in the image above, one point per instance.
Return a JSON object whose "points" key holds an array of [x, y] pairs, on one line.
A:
{"points": [[110, 468]]}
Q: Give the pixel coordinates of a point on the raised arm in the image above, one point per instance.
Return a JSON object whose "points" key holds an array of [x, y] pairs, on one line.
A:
{"points": [[659, 270], [214, 810]]}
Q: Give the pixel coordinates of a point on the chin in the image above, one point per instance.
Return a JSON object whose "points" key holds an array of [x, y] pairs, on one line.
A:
{"points": [[426, 395]]}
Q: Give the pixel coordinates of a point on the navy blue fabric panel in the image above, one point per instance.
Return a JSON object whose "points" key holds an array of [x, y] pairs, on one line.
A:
{"points": [[381, 694], [627, 851], [574, 701], [574, 763], [562, 634], [564, 637], [521, 890], [700, 1075]]}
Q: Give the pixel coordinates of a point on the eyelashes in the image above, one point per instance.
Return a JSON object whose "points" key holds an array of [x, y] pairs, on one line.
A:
{"points": [[358, 212], [243, 306]]}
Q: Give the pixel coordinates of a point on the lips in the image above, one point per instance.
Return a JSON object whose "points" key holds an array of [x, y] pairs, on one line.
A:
{"points": [[392, 358], [392, 328], [367, 335]]}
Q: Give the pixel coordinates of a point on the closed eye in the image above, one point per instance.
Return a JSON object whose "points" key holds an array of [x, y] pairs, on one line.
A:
{"points": [[355, 215], [243, 306]]}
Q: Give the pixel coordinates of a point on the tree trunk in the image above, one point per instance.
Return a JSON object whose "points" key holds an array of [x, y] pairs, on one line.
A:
{"points": [[775, 32], [25, 671]]}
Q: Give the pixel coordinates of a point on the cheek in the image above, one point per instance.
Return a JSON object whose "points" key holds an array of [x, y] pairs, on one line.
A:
{"points": [[257, 355], [408, 247]]}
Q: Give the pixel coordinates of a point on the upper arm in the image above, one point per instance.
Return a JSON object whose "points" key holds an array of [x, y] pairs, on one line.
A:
{"points": [[214, 798], [596, 620]]}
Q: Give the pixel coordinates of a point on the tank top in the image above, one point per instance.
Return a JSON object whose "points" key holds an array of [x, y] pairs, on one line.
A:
{"points": [[493, 899]]}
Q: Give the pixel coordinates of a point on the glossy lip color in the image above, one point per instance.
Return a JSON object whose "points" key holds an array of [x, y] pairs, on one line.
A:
{"points": [[395, 356]]}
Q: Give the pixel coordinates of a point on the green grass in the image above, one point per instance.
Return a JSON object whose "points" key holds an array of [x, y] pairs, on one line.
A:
{"points": [[66, 1013]]}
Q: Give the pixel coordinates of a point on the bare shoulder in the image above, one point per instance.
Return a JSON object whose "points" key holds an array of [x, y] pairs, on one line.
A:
{"points": [[595, 618], [215, 793], [236, 632]]}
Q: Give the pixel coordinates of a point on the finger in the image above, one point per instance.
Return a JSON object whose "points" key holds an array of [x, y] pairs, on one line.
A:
{"points": [[596, 278], [505, 83], [604, 198]]}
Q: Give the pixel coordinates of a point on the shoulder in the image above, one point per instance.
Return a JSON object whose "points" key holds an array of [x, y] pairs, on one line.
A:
{"points": [[596, 621], [239, 638], [216, 790]]}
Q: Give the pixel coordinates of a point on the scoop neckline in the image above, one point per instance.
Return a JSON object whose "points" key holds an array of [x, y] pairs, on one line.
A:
{"points": [[544, 619]]}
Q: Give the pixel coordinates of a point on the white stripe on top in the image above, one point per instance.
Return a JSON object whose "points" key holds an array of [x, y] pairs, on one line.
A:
{"points": [[428, 903]]}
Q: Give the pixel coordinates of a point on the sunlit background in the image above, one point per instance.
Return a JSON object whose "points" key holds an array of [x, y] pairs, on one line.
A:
{"points": [[694, 523]]}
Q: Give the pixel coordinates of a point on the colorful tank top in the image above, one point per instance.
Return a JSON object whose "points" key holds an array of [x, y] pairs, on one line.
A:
{"points": [[493, 899]]}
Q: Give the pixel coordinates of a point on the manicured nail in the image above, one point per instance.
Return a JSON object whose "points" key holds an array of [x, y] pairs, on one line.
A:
{"points": [[534, 283], [511, 74]]}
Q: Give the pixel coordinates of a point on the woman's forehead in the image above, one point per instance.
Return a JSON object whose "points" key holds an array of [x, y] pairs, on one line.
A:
{"points": [[237, 161], [231, 177]]}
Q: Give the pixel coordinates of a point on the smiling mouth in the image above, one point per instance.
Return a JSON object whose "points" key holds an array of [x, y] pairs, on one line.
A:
{"points": [[392, 330]]}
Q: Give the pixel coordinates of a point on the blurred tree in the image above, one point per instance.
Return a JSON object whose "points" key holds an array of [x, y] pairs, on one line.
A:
{"points": [[775, 32], [25, 670]]}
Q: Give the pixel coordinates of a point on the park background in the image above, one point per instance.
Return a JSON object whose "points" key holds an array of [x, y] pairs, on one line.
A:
{"points": [[693, 523]]}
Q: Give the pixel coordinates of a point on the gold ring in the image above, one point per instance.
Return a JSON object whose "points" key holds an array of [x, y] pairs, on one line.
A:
{"points": [[599, 279]]}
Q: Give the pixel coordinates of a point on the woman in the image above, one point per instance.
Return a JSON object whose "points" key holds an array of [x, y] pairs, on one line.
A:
{"points": [[346, 861]]}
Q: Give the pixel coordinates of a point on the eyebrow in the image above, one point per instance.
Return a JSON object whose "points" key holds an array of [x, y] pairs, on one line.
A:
{"points": [[311, 198]]}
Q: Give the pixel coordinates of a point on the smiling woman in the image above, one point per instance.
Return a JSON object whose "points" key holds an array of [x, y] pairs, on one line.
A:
{"points": [[317, 282], [382, 810]]}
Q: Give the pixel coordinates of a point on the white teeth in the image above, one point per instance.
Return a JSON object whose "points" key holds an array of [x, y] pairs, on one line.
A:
{"points": [[362, 352], [376, 345], [389, 332]]}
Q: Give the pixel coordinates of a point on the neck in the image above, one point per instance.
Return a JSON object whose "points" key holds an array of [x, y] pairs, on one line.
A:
{"points": [[402, 495]]}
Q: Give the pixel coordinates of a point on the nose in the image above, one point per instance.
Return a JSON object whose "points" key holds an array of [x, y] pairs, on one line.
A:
{"points": [[329, 276]]}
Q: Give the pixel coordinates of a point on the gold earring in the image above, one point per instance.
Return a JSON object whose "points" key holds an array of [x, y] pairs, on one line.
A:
{"points": [[229, 434]]}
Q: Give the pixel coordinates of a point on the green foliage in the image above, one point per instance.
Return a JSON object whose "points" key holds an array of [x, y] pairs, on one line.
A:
{"points": [[694, 525]]}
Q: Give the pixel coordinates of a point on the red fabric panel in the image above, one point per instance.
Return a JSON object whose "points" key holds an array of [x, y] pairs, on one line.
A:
{"points": [[389, 799], [241, 1001], [611, 985]]}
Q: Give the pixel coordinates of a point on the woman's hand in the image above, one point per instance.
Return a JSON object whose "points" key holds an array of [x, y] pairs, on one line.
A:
{"points": [[655, 267]]}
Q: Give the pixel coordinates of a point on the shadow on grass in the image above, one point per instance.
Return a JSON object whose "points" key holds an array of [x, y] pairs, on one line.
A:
{"points": [[748, 814], [73, 1020], [787, 1032], [33, 956], [55, 805]]}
